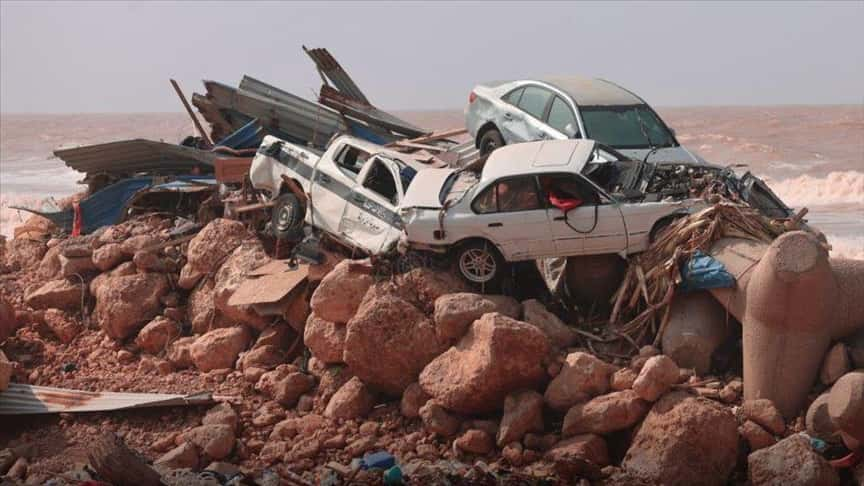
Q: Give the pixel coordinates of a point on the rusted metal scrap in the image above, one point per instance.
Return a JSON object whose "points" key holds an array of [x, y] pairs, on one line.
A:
{"points": [[23, 399]]}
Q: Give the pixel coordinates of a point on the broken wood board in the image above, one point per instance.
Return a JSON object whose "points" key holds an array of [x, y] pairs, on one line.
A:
{"points": [[270, 283]]}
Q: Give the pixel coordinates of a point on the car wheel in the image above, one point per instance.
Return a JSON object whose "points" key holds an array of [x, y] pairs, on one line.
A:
{"points": [[480, 263], [287, 218], [490, 140]]}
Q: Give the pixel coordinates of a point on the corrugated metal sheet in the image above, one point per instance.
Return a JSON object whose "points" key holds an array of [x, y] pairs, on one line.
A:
{"points": [[341, 103], [21, 399], [136, 155], [329, 67]]}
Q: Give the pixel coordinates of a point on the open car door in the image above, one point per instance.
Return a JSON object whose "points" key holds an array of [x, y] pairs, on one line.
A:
{"points": [[371, 220]]}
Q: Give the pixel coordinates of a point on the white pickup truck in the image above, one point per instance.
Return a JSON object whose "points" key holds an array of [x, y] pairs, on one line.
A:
{"points": [[352, 191]]}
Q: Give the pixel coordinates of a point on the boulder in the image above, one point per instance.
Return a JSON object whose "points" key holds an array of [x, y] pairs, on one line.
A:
{"points": [[264, 357], [132, 245], [582, 376], [587, 447], [763, 412], [24, 253], [455, 312], [846, 404], [340, 293], [497, 356], [148, 261], [180, 352], [288, 390], [818, 420], [438, 420], [49, 266], [223, 414], [212, 245], [684, 440], [523, 413], [756, 436], [201, 312], [475, 441], [219, 348], [108, 256], [247, 257], [412, 399], [623, 379], [656, 377], [62, 326], [8, 322], [278, 335], [325, 339], [605, 414], [422, 286], [790, 461], [835, 364], [76, 266], [560, 335], [157, 334], [189, 277], [123, 270], [183, 456], [388, 342], [216, 441], [125, 304], [352, 400], [58, 294]]}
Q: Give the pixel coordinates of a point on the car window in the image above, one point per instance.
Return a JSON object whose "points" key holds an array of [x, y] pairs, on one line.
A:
{"points": [[380, 180], [513, 96], [534, 100], [487, 201], [350, 160], [561, 118], [517, 194], [625, 127], [567, 187]]}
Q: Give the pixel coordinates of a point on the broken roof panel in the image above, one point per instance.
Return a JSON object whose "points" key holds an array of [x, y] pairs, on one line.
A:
{"points": [[329, 67], [22, 399], [368, 113], [136, 155]]}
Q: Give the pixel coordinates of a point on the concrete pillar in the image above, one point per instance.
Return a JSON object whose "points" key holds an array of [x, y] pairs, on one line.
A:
{"points": [[697, 327]]}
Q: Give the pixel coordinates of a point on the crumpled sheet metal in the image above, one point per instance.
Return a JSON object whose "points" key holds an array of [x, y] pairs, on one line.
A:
{"points": [[23, 399]]}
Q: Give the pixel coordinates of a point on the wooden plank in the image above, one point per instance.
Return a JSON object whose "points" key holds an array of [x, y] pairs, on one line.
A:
{"points": [[438, 136], [191, 113], [269, 288], [419, 146]]}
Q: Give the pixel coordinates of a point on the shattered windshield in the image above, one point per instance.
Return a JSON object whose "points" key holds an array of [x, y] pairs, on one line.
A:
{"points": [[626, 127]]}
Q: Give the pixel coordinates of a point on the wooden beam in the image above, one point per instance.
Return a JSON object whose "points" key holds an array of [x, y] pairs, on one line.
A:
{"points": [[191, 113]]}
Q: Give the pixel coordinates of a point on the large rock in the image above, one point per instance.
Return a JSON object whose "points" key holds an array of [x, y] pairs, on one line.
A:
{"points": [[656, 377], [790, 461], [388, 343], [134, 244], [219, 348], [765, 413], [413, 398], [58, 294], [475, 441], [846, 404], [247, 257], [180, 352], [65, 328], [183, 456], [157, 334], [684, 440], [818, 420], [123, 270], [125, 304], [76, 266], [49, 266], [340, 293], [108, 256], [604, 414], [455, 312], [201, 312], [215, 441], [497, 356], [8, 322], [212, 245], [353, 400], [582, 376], [523, 413], [288, 390], [835, 364], [587, 447], [438, 420], [560, 335], [24, 253], [325, 339]]}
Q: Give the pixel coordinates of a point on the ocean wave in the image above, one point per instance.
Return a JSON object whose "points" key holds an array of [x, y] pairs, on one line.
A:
{"points": [[839, 187], [847, 247]]}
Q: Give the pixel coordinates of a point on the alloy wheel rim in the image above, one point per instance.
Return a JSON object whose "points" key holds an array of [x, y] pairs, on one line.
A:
{"points": [[478, 265]]}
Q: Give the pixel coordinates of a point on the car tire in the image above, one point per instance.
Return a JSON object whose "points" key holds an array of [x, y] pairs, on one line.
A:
{"points": [[489, 141], [479, 263], [286, 218]]}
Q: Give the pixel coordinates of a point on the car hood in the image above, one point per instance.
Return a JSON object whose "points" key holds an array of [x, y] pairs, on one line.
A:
{"points": [[666, 154], [425, 189]]}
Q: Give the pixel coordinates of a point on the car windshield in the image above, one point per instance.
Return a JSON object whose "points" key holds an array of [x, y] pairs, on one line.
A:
{"points": [[626, 127]]}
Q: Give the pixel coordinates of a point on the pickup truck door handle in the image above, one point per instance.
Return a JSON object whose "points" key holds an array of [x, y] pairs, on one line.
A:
{"points": [[508, 115], [496, 225]]}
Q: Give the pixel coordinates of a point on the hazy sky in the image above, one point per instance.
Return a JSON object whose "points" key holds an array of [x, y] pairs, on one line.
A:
{"points": [[117, 57]]}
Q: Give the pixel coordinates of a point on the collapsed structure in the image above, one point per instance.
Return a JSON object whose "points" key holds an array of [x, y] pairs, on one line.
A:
{"points": [[332, 368]]}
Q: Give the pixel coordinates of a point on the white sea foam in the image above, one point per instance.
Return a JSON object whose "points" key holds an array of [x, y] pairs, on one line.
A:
{"points": [[839, 187]]}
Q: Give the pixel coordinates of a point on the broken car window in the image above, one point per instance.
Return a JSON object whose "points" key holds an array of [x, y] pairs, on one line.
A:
{"points": [[534, 100], [566, 190], [518, 194], [561, 118], [487, 201], [380, 181], [350, 160], [513, 96]]}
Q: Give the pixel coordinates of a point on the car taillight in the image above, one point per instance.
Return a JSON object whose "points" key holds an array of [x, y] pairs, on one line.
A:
{"points": [[472, 97]]}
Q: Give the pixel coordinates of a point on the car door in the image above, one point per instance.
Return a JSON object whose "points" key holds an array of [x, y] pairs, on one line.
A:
{"points": [[594, 226], [329, 191], [370, 219], [561, 120], [510, 214], [527, 123]]}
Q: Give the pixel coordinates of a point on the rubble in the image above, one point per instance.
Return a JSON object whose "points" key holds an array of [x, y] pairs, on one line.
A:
{"points": [[582, 377], [790, 461]]}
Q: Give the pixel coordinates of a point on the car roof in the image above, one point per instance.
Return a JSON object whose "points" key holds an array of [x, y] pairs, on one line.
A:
{"points": [[593, 91], [569, 155]]}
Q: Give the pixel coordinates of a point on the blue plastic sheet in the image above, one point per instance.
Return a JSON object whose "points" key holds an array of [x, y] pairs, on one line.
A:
{"points": [[704, 272]]}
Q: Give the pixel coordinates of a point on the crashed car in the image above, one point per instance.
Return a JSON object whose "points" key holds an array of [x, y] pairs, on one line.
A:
{"points": [[352, 191], [539, 200], [504, 113]]}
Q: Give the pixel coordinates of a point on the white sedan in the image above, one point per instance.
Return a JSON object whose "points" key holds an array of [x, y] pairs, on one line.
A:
{"points": [[532, 201]]}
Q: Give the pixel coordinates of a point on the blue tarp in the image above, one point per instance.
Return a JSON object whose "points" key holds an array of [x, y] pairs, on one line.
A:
{"points": [[249, 135], [704, 272]]}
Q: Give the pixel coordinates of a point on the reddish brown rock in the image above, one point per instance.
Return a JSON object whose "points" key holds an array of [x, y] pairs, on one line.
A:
{"points": [[278, 335], [756, 436], [189, 277], [132, 245], [58, 294], [623, 379], [65, 328], [247, 257], [388, 342], [605, 414], [200, 310], [423, 286], [438, 420], [267, 383], [223, 414], [24, 253], [684, 440], [560, 335], [125, 304], [212, 245], [219, 348], [763, 412], [148, 261], [340, 293], [325, 339], [835, 364], [289, 389], [583, 376], [183, 456], [818, 420], [497, 356], [454, 313], [180, 352], [76, 266], [412, 399], [846, 405], [123, 270], [8, 321], [588, 447], [790, 461], [352, 400], [523, 413], [475, 441], [157, 334], [216, 441], [656, 377], [108, 256], [264, 357]]}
